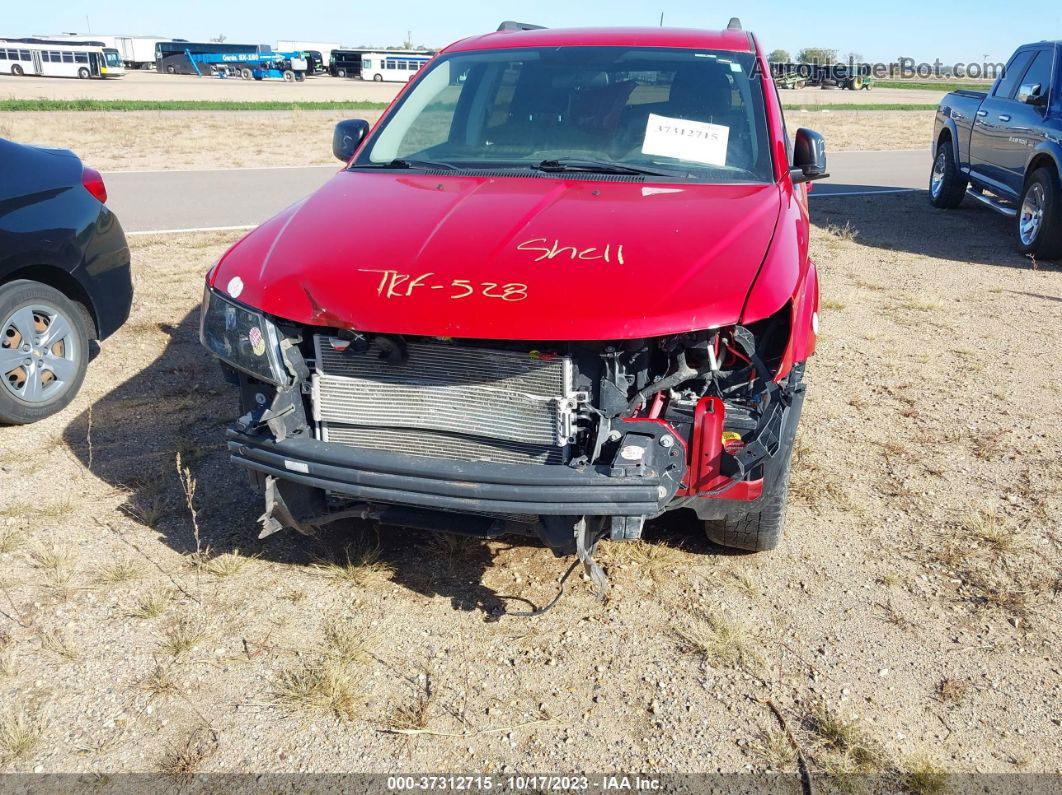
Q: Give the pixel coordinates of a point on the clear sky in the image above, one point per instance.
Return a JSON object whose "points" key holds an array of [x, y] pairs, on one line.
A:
{"points": [[919, 29]]}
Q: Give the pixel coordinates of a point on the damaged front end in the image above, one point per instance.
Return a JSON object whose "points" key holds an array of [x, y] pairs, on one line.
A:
{"points": [[570, 442]]}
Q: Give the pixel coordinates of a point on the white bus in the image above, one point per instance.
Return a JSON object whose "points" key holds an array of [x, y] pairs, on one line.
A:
{"points": [[394, 66], [138, 52], [58, 59]]}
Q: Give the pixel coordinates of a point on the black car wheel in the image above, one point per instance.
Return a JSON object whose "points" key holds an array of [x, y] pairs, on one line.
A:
{"points": [[762, 529], [1039, 221], [947, 185], [43, 351]]}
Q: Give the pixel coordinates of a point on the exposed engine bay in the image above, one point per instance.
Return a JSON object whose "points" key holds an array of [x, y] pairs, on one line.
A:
{"points": [[570, 442]]}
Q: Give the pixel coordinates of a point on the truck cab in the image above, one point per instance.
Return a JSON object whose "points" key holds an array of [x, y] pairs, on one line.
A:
{"points": [[1003, 148]]}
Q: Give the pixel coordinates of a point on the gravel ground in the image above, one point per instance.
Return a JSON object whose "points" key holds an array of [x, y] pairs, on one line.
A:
{"points": [[908, 624]]}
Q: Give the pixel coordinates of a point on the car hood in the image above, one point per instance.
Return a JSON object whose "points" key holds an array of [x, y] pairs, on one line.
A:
{"points": [[535, 258]]}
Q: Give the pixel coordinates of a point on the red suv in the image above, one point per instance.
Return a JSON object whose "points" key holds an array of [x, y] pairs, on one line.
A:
{"points": [[560, 288]]}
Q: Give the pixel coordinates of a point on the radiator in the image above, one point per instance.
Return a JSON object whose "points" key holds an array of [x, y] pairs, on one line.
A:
{"points": [[446, 401]]}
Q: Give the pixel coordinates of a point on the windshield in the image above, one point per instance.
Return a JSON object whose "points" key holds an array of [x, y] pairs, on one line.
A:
{"points": [[112, 57], [692, 114]]}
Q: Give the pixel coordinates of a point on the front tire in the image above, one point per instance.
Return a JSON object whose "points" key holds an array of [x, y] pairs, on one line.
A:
{"points": [[43, 351], [82, 73], [16, 70], [1039, 221], [760, 530], [947, 185]]}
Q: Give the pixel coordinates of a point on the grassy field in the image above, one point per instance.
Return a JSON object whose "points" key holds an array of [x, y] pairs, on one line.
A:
{"points": [[98, 105], [933, 85], [232, 139], [906, 628]]}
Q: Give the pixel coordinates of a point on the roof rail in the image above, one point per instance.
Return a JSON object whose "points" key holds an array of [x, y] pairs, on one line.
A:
{"points": [[511, 25], [734, 24]]}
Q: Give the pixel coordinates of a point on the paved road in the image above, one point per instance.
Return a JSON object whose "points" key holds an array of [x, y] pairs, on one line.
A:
{"points": [[177, 200]]}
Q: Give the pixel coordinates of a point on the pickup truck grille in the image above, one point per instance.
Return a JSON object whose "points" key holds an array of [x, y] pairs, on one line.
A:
{"points": [[445, 401]]}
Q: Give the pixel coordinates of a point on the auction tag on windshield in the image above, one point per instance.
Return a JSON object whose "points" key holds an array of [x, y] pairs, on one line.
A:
{"points": [[696, 141]]}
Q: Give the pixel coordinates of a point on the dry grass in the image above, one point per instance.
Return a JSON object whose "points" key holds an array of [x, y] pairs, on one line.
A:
{"points": [[160, 681], [152, 604], [25, 510], [924, 775], [991, 530], [121, 572], [188, 757], [748, 586], [327, 687], [182, 636], [57, 642], [360, 566], [651, 561], [55, 563], [347, 643], [832, 303], [773, 746], [452, 548], [843, 746], [227, 565], [848, 130], [11, 540], [845, 231], [720, 640], [147, 509], [416, 713], [134, 139], [20, 734]]}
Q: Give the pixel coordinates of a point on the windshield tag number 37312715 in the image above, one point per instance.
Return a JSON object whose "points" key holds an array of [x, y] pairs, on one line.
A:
{"points": [[394, 284]]}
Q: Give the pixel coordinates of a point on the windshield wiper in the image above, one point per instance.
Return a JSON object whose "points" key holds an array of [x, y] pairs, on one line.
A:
{"points": [[402, 162], [591, 166]]}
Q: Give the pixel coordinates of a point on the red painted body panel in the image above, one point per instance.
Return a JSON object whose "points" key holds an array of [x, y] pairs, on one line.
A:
{"points": [[540, 259], [510, 257]]}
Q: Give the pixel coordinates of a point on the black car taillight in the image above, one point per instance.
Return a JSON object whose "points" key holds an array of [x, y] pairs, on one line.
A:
{"points": [[93, 182]]}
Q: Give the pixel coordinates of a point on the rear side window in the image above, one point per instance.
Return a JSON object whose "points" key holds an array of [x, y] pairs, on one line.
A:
{"points": [[1039, 72], [1008, 84], [25, 55]]}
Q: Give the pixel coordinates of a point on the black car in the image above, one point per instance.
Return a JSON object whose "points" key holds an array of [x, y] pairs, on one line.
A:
{"points": [[64, 277]]}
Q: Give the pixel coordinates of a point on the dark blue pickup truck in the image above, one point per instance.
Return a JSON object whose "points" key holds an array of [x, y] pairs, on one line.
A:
{"points": [[1004, 148]]}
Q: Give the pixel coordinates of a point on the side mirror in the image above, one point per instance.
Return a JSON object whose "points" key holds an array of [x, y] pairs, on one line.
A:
{"points": [[809, 157], [347, 137], [1031, 94]]}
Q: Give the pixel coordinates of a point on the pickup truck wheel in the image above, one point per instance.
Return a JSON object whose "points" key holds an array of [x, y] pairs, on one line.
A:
{"points": [[1039, 221], [761, 530], [43, 351], [947, 185]]}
